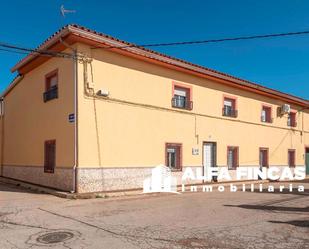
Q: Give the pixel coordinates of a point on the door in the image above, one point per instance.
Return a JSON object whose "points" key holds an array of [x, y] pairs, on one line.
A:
{"points": [[209, 157], [263, 157], [173, 156], [307, 161]]}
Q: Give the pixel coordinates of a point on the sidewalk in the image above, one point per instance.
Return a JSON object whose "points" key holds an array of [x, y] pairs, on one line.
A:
{"points": [[68, 195]]}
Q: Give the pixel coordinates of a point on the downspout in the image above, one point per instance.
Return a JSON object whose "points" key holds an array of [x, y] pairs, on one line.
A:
{"points": [[2, 135], [75, 172], [75, 80], [89, 91]]}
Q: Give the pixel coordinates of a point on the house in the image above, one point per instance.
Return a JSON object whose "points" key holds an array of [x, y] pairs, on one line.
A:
{"points": [[89, 112]]}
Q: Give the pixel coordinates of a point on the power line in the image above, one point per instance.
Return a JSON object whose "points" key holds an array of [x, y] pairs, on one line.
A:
{"points": [[13, 48], [12, 51], [22, 50], [213, 40], [27, 53]]}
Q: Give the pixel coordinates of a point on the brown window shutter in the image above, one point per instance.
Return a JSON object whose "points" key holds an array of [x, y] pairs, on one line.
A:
{"points": [[264, 158], [291, 158], [236, 157], [50, 156], [293, 121], [267, 113]]}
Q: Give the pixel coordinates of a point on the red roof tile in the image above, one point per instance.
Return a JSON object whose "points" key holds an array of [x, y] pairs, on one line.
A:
{"points": [[150, 54]]}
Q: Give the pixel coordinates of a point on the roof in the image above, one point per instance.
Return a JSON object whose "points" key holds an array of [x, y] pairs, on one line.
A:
{"points": [[75, 33]]}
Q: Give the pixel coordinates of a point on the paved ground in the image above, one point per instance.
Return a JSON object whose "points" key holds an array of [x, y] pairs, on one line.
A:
{"points": [[193, 220]]}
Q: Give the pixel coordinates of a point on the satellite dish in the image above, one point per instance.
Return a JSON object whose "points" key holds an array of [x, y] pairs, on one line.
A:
{"points": [[63, 11]]}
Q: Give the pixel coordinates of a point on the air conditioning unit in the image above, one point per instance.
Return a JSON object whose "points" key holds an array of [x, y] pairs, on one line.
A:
{"points": [[285, 109]]}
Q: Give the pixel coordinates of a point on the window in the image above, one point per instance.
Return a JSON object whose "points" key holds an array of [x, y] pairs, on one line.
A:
{"points": [[266, 114], [51, 86], [182, 97], [229, 107], [292, 119], [291, 158], [264, 157], [173, 156], [50, 156], [232, 157], [1, 107]]}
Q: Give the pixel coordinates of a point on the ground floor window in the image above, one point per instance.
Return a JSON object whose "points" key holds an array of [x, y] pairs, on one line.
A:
{"points": [[291, 158], [173, 157], [50, 156], [232, 157], [264, 157]]}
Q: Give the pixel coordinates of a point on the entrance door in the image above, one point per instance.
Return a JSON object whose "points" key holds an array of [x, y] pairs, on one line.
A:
{"points": [[307, 161], [209, 157]]}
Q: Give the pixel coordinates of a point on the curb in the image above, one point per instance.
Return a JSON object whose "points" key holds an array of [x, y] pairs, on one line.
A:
{"points": [[35, 188], [136, 192]]}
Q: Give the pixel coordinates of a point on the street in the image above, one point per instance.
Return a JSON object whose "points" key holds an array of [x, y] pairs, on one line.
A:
{"points": [[191, 220]]}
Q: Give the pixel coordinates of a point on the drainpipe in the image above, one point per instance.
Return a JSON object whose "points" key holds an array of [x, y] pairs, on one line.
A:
{"points": [[2, 134], [75, 80], [75, 172]]}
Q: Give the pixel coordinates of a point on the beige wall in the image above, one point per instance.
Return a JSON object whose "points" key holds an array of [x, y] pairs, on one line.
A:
{"points": [[131, 126], [133, 134], [28, 121]]}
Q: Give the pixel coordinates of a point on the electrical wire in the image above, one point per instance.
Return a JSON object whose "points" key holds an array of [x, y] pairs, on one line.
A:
{"points": [[34, 51], [12, 51], [213, 40], [68, 55]]}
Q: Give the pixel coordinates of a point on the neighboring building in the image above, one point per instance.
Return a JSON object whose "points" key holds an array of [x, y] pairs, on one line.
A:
{"points": [[102, 122]]}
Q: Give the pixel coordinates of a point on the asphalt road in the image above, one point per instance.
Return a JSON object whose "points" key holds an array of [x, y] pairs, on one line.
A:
{"points": [[192, 220]]}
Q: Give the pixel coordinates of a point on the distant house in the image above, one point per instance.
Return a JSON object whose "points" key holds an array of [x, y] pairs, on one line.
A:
{"points": [[92, 113]]}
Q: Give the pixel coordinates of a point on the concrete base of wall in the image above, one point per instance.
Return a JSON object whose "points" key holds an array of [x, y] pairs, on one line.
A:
{"points": [[120, 179], [115, 179], [93, 179], [61, 179]]}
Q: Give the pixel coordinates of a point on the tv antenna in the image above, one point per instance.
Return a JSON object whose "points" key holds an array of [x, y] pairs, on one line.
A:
{"points": [[64, 11]]}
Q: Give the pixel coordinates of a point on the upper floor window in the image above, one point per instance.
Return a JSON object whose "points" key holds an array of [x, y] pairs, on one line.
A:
{"points": [[291, 158], [173, 158], [182, 97], [232, 157], [51, 86], [266, 114], [229, 107], [1, 107], [292, 119]]}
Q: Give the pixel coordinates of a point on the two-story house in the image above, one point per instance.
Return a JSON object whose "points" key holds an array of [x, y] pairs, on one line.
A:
{"points": [[89, 112]]}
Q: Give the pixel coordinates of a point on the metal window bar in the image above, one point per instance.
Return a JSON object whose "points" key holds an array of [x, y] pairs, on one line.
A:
{"points": [[50, 94]]}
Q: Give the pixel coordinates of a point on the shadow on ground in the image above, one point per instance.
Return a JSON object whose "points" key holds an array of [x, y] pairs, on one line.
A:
{"points": [[274, 205], [272, 208], [4, 187], [297, 223]]}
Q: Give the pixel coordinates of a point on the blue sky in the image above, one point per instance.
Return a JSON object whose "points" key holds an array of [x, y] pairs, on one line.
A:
{"points": [[280, 63]]}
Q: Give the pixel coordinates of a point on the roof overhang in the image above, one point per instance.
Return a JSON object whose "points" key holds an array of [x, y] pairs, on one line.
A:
{"points": [[72, 33]]}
